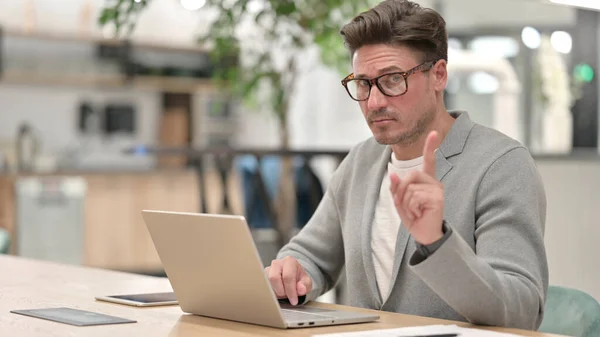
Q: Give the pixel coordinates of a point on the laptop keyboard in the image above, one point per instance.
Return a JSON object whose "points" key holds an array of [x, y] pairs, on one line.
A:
{"points": [[291, 315]]}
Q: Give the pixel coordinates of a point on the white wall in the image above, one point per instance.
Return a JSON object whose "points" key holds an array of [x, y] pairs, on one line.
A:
{"points": [[51, 109], [322, 112], [572, 222], [53, 114]]}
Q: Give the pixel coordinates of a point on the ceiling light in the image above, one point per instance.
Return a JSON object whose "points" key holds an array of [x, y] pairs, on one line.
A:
{"points": [[561, 42], [193, 5], [531, 37], [591, 4]]}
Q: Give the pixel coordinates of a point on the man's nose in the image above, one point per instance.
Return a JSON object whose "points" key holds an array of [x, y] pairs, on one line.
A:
{"points": [[377, 100]]}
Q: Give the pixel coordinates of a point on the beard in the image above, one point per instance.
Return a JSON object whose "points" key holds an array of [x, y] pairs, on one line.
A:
{"points": [[387, 135]]}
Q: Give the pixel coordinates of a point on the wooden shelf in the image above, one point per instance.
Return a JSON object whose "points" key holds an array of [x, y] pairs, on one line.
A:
{"points": [[59, 37], [54, 77], [101, 40], [77, 80], [161, 83]]}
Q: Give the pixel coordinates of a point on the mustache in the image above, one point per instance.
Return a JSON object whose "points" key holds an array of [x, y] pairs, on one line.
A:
{"points": [[380, 114]]}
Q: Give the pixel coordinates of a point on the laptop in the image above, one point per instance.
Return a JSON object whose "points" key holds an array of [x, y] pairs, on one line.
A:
{"points": [[215, 271]]}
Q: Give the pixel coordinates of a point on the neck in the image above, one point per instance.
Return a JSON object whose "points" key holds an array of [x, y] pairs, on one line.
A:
{"points": [[442, 124]]}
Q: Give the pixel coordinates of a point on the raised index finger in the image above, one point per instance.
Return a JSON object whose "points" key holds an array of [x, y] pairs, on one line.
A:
{"points": [[431, 143]]}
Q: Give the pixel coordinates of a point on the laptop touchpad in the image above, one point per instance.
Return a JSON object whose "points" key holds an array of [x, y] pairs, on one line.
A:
{"points": [[303, 308]]}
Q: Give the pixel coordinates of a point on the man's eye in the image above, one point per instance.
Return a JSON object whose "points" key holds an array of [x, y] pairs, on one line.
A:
{"points": [[362, 83], [396, 78]]}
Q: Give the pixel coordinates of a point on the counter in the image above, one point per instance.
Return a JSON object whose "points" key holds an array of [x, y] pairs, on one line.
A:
{"points": [[114, 234]]}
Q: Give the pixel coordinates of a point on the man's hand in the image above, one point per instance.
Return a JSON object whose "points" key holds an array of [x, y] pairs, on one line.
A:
{"points": [[288, 279], [419, 197]]}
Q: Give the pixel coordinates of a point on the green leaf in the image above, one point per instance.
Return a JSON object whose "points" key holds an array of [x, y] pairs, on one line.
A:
{"points": [[285, 8], [107, 15]]}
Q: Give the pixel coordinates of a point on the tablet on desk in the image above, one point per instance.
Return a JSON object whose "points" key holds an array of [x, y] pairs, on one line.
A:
{"points": [[142, 300]]}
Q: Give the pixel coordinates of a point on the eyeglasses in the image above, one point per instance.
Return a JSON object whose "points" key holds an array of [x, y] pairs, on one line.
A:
{"points": [[390, 84]]}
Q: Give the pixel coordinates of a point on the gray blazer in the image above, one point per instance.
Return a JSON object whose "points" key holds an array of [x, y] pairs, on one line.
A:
{"points": [[492, 269]]}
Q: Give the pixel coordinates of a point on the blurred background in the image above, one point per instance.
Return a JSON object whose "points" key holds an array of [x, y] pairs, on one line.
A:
{"points": [[97, 124]]}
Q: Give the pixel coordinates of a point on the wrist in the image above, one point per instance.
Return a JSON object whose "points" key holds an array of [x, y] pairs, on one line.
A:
{"points": [[424, 251], [434, 237]]}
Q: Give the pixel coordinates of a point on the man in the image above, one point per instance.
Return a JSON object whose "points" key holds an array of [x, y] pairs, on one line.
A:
{"points": [[435, 215]]}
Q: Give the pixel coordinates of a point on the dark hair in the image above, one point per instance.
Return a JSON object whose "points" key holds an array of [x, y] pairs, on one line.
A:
{"points": [[399, 22]]}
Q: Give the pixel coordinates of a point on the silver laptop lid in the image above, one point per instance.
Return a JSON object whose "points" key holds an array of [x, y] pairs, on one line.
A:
{"points": [[213, 266]]}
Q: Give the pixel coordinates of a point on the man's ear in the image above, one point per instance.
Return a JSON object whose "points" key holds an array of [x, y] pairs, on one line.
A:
{"points": [[440, 75]]}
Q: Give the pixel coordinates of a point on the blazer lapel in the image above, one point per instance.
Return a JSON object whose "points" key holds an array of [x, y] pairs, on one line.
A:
{"points": [[373, 185], [442, 166]]}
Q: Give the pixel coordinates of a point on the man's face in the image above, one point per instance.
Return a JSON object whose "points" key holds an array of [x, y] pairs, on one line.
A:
{"points": [[400, 119]]}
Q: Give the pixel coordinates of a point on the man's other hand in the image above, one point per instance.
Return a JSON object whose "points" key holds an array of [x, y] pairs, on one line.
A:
{"points": [[288, 279]]}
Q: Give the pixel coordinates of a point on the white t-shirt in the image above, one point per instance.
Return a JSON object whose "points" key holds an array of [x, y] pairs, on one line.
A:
{"points": [[386, 224]]}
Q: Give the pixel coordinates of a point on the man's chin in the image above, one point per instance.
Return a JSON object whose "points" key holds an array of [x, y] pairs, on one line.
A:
{"points": [[384, 139], [393, 139], [383, 135]]}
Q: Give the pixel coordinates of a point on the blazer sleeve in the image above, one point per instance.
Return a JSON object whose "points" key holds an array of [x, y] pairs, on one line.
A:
{"points": [[503, 282], [319, 246]]}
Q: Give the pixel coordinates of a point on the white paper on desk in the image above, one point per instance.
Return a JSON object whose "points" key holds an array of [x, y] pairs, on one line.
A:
{"points": [[420, 331]]}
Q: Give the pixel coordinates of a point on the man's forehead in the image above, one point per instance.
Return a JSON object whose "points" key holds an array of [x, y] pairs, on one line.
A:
{"points": [[379, 71], [374, 60]]}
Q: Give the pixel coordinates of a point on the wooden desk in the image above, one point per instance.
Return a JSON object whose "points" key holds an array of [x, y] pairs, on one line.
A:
{"points": [[29, 284]]}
